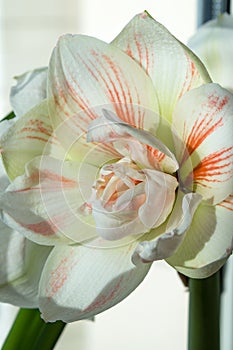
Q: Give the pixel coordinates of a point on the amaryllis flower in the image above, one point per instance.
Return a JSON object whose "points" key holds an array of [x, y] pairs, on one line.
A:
{"points": [[213, 43], [125, 158]]}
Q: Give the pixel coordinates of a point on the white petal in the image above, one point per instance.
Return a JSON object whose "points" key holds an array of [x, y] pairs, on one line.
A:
{"points": [[80, 282], [110, 128], [6, 125], [87, 75], [208, 242], [163, 242], [203, 120], [85, 72], [29, 90], [123, 219], [4, 181], [160, 196], [21, 263], [28, 137], [173, 69], [44, 204], [76, 146]]}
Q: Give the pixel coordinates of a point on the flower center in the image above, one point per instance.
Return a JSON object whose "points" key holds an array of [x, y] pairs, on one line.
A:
{"points": [[115, 180], [128, 200], [137, 193]]}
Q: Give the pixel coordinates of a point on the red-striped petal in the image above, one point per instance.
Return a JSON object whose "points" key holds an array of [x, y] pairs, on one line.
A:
{"points": [[69, 293], [173, 69], [87, 75], [54, 192], [208, 242], [203, 122], [28, 137]]}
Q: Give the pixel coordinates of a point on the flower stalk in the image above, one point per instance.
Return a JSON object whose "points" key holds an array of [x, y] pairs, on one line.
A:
{"points": [[29, 331], [204, 312]]}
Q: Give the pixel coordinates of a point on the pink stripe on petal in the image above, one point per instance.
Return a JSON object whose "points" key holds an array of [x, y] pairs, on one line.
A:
{"points": [[126, 115], [205, 125], [44, 228], [57, 281], [60, 106], [212, 167], [215, 101], [111, 89], [106, 298], [154, 155], [192, 74], [129, 50], [80, 97], [227, 203], [117, 94], [48, 175], [200, 131], [38, 138], [59, 276], [139, 48], [36, 126]]}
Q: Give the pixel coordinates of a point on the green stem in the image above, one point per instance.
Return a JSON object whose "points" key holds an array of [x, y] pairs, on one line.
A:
{"points": [[29, 331], [49, 335], [204, 312], [23, 330]]}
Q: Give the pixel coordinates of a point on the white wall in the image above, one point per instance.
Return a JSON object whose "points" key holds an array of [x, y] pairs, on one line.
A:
{"points": [[29, 29]]}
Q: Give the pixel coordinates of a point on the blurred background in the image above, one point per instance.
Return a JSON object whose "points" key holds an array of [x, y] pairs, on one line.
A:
{"points": [[155, 315], [29, 29]]}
